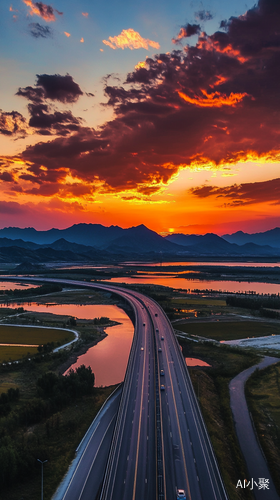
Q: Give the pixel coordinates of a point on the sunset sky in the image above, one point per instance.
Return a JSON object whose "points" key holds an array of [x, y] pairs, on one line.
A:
{"points": [[165, 113]]}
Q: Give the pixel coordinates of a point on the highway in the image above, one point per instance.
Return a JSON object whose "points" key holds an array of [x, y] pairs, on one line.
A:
{"points": [[160, 442]]}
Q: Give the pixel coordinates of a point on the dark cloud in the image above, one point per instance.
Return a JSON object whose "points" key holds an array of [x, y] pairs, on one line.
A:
{"points": [[55, 87], [12, 123], [203, 15], [6, 177], [59, 88], [44, 117], [212, 104], [243, 194], [39, 31], [10, 208], [58, 122], [187, 31]]}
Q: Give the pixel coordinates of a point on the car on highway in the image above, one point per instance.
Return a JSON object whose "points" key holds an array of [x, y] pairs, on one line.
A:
{"points": [[159, 349], [156, 315], [162, 387], [161, 373], [142, 348], [162, 338], [180, 494]]}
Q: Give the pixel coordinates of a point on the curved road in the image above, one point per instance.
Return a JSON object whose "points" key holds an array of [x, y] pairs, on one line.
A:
{"points": [[160, 442], [256, 463]]}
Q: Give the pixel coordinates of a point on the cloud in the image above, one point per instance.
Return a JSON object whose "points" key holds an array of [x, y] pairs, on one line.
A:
{"points": [[13, 123], [130, 39], [42, 10], [187, 31], [82, 40], [85, 14], [207, 106], [55, 87], [67, 34], [43, 116], [243, 194], [39, 31], [203, 15]]}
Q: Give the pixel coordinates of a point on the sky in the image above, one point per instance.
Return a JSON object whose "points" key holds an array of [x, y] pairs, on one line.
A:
{"points": [[163, 113]]}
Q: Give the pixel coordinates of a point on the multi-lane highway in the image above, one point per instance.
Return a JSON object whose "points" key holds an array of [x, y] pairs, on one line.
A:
{"points": [[160, 442]]}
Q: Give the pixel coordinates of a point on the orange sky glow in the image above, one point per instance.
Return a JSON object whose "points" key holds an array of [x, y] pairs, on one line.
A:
{"points": [[187, 140]]}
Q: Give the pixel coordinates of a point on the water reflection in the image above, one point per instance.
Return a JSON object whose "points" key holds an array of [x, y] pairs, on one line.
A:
{"points": [[196, 362], [9, 285], [192, 285], [107, 359]]}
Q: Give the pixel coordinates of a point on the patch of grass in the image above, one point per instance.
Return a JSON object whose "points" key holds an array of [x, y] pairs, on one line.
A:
{"points": [[14, 353], [263, 397], [54, 439], [230, 330], [34, 335]]}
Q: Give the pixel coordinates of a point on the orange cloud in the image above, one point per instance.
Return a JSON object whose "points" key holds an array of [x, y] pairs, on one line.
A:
{"points": [[82, 40], [216, 99], [130, 39], [42, 10], [67, 34], [209, 44], [85, 14]]}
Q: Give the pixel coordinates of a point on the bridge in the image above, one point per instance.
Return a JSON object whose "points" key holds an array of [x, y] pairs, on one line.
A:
{"points": [[159, 442]]}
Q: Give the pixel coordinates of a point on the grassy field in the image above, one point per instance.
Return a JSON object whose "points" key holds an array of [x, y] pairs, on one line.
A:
{"points": [[263, 396], [33, 335], [28, 335], [230, 330], [9, 353]]}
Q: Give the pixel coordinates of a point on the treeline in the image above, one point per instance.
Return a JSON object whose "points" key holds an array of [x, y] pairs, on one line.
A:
{"points": [[41, 290], [19, 450], [6, 398], [60, 389], [101, 321], [256, 302]]}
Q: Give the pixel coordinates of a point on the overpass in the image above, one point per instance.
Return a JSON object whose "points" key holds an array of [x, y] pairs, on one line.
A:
{"points": [[160, 441]]}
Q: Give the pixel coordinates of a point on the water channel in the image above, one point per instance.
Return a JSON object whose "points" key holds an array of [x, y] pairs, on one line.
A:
{"points": [[108, 358]]}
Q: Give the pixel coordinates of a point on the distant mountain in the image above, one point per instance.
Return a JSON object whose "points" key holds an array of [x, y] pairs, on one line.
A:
{"points": [[211, 244], [84, 234], [194, 239], [140, 239], [40, 255], [271, 238], [94, 242], [7, 242]]}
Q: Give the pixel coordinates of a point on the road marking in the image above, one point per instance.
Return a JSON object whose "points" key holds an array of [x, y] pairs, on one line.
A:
{"points": [[139, 427], [179, 429], [78, 464]]}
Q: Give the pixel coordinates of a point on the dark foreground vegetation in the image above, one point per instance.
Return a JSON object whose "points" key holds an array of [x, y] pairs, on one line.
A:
{"points": [[28, 292], [44, 416], [266, 305]]}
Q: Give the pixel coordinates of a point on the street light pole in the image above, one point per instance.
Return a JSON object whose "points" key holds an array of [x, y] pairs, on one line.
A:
{"points": [[42, 485]]}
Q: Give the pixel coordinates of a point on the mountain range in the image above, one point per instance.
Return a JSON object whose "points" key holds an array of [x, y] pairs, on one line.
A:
{"points": [[94, 242]]}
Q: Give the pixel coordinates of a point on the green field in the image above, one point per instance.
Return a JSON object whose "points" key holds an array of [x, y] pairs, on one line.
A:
{"points": [[28, 335], [230, 330], [33, 335]]}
